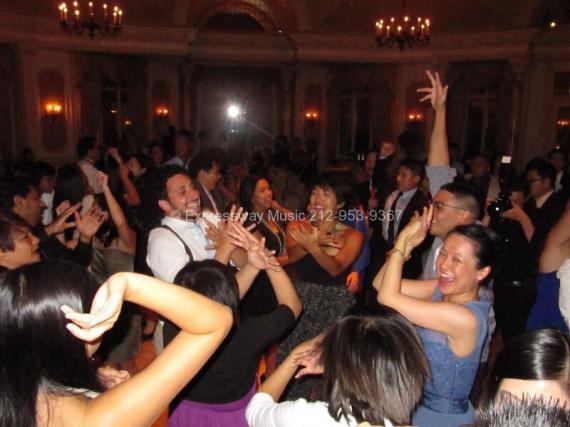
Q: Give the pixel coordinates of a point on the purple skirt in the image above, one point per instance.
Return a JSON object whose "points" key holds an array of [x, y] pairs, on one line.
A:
{"points": [[196, 414]]}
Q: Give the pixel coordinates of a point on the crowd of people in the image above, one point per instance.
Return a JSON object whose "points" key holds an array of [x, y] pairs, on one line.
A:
{"points": [[403, 291]]}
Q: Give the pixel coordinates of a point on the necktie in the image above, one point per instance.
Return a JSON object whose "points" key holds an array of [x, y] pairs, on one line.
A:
{"points": [[392, 219]]}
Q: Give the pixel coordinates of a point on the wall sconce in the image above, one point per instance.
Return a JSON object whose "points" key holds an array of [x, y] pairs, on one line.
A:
{"points": [[311, 115], [415, 117], [161, 112], [563, 123], [52, 110]]}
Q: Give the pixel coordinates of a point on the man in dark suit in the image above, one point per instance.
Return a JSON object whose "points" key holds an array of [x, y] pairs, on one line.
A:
{"points": [[401, 205], [204, 170], [558, 158]]}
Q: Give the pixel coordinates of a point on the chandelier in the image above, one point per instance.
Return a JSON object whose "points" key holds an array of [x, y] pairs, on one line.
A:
{"points": [[403, 31], [78, 25]]}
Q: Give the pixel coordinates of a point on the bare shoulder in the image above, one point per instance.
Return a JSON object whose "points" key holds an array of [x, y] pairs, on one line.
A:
{"points": [[61, 410]]}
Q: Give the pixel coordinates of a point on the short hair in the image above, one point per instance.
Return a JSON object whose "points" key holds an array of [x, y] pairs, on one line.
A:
{"points": [[184, 133], [558, 150], [341, 183], [540, 355], [374, 368], [487, 245], [85, 144], [204, 161], [469, 197], [9, 190], [159, 189], [415, 166], [543, 169], [512, 411], [41, 169], [8, 223], [212, 279]]}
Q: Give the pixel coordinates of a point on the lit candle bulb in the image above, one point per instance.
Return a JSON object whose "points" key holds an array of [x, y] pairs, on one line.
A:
{"points": [[423, 26], [120, 16], [427, 27], [114, 18], [61, 12], [77, 15], [65, 13], [90, 4], [387, 31], [399, 29]]}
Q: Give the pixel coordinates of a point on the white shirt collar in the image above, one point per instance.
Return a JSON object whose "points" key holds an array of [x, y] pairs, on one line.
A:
{"points": [[542, 199]]}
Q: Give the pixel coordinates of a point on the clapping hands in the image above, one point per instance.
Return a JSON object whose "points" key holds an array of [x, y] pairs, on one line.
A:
{"points": [[257, 254]]}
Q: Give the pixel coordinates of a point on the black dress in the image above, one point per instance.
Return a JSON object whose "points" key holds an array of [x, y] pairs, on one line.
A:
{"points": [[325, 299]]}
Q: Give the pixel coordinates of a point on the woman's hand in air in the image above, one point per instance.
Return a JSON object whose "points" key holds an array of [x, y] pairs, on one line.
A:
{"points": [[103, 180], [257, 253], [104, 312], [307, 237], [415, 232], [308, 355]]}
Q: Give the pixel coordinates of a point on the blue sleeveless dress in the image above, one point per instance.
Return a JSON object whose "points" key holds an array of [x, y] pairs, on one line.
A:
{"points": [[545, 312], [445, 402]]}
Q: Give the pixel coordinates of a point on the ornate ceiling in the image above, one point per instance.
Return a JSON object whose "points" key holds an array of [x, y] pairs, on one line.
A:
{"points": [[330, 16]]}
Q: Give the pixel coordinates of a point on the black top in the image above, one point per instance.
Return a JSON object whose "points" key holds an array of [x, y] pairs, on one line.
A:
{"points": [[230, 372], [261, 299], [52, 248], [309, 270]]}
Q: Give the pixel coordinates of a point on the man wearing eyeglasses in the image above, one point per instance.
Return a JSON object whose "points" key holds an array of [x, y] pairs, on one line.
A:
{"points": [[455, 203]]}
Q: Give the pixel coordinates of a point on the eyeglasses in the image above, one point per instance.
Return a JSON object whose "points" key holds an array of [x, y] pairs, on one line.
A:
{"points": [[439, 205]]}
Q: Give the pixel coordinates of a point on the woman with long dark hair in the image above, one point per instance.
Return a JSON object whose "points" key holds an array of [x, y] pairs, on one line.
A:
{"points": [[532, 364], [373, 370], [451, 320], [48, 333]]}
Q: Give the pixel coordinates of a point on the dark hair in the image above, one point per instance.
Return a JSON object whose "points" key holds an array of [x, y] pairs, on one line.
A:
{"points": [[528, 411], [37, 352], [85, 144], [9, 190], [212, 279], [204, 161], [487, 247], [341, 184], [8, 222], [558, 150], [543, 169], [184, 133], [159, 189], [70, 185], [539, 355], [41, 169], [469, 197], [247, 190], [415, 166], [374, 368]]}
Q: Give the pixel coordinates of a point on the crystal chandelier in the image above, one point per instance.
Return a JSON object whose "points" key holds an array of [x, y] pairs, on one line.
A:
{"points": [[110, 26], [403, 32]]}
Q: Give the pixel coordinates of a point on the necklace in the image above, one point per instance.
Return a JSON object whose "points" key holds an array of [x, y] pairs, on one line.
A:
{"points": [[278, 234], [465, 300]]}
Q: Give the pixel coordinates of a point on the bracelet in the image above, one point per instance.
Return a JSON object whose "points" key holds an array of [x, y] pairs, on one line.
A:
{"points": [[398, 251]]}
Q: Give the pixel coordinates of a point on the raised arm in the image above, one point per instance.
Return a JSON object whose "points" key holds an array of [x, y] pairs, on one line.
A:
{"points": [[132, 196], [126, 233], [203, 323], [438, 154], [453, 320], [553, 254], [285, 291]]}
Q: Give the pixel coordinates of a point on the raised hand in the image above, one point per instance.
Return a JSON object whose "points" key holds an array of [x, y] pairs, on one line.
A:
{"points": [[60, 224], [104, 312], [305, 237], [114, 153], [437, 93], [353, 282], [89, 224], [62, 207], [257, 253], [111, 377], [103, 179], [308, 355], [415, 232]]}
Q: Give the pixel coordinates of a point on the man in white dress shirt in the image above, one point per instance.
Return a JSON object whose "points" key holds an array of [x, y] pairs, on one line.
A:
{"points": [[184, 145], [183, 235], [89, 153]]}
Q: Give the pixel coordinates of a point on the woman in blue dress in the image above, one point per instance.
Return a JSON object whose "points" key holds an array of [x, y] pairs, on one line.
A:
{"points": [[450, 319]]}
